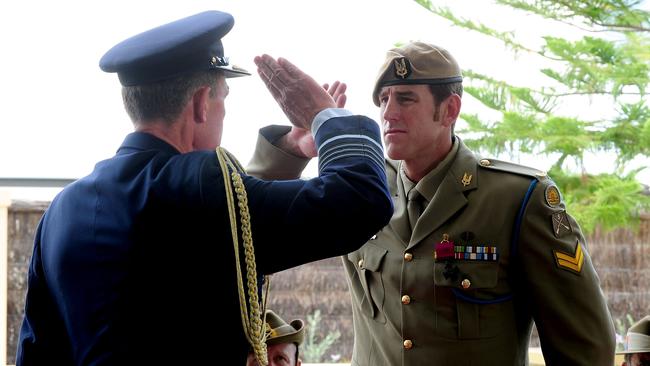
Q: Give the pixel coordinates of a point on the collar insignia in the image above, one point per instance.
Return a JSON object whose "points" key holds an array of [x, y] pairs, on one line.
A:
{"points": [[467, 179]]}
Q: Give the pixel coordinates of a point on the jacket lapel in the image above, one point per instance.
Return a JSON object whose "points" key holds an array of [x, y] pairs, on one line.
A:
{"points": [[450, 196]]}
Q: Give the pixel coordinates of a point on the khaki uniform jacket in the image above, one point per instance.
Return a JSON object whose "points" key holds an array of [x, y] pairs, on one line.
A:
{"points": [[413, 309]]}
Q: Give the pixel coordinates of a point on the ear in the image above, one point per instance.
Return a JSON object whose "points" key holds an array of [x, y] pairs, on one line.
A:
{"points": [[200, 100], [453, 103]]}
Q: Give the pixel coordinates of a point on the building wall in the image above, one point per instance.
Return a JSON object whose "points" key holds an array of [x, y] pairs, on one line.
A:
{"points": [[22, 223]]}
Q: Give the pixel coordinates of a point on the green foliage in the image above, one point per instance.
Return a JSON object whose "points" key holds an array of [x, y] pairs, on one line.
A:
{"points": [[629, 134], [617, 15], [315, 346], [608, 200], [610, 61]]}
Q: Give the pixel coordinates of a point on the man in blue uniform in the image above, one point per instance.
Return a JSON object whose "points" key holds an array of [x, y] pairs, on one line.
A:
{"points": [[132, 262]]}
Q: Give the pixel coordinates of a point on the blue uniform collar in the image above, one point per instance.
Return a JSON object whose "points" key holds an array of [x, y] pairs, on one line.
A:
{"points": [[141, 141]]}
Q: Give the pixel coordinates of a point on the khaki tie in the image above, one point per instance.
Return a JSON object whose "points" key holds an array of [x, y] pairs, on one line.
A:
{"points": [[414, 206]]}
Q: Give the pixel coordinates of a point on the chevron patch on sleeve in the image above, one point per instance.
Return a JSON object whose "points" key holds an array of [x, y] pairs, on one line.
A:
{"points": [[571, 262]]}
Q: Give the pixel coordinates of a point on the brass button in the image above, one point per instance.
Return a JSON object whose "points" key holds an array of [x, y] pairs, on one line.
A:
{"points": [[361, 263], [408, 257], [466, 283], [485, 162], [408, 344], [406, 299]]}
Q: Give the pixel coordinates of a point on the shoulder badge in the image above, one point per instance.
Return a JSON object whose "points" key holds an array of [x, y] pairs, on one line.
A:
{"points": [[402, 67], [571, 262], [552, 196], [561, 224]]}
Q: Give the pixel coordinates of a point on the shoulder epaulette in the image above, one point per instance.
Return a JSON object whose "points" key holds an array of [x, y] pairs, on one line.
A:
{"points": [[506, 166]]}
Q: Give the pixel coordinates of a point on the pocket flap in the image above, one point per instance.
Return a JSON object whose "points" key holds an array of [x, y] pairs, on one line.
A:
{"points": [[368, 257], [481, 275]]}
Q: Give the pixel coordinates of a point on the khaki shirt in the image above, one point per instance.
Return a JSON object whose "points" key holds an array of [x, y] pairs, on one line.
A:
{"points": [[518, 257]]}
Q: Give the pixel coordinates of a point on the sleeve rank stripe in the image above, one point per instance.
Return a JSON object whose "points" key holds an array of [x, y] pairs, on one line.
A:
{"points": [[570, 262], [344, 153], [351, 137], [364, 149]]}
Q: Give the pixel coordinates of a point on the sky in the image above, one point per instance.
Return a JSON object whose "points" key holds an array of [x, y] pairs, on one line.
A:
{"points": [[61, 114]]}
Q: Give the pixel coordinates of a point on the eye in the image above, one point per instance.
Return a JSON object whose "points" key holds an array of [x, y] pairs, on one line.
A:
{"points": [[281, 359], [402, 99]]}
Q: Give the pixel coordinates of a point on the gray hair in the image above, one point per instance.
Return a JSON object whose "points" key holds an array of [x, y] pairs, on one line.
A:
{"points": [[166, 99]]}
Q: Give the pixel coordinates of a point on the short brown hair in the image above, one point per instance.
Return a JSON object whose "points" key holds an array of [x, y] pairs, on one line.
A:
{"points": [[443, 91]]}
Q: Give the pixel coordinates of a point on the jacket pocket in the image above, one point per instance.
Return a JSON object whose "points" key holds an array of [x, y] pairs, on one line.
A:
{"points": [[369, 290], [467, 301]]}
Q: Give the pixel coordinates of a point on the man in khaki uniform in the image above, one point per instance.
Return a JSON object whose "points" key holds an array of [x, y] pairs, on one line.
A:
{"points": [[637, 344], [477, 249], [283, 341]]}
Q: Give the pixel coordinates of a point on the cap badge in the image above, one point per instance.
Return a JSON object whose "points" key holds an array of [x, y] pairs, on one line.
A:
{"points": [[402, 67], [219, 61], [270, 332]]}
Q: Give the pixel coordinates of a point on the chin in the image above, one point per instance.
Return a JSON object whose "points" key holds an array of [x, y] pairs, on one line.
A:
{"points": [[394, 155]]}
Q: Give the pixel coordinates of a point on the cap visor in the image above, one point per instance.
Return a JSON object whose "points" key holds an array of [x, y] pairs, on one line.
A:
{"points": [[232, 71]]}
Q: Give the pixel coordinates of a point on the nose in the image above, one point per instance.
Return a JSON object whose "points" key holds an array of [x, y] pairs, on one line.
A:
{"points": [[389, 110]]}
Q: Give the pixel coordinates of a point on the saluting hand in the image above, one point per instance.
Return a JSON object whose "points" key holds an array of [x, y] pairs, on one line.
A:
{"points": [[300, 141], [297, 93], [337, 91]]}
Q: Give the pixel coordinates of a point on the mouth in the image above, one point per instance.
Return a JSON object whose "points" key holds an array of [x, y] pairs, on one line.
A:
{"points": [[393, 131]]}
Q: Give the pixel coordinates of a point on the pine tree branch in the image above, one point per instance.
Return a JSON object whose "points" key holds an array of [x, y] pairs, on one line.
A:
{"points": [[623, 28], [596, 92], [614, 27], [573, 11], [504, 37]]}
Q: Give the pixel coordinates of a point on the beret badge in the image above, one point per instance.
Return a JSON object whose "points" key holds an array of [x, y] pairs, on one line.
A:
{"points": [[402, 67]]}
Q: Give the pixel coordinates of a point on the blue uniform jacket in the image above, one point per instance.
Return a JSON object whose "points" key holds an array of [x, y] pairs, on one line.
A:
{"points": [[134, 264]]}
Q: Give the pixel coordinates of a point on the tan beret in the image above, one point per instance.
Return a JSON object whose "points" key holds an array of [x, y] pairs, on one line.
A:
{"points": [[637, 339], [280, 332], [417, 63]]}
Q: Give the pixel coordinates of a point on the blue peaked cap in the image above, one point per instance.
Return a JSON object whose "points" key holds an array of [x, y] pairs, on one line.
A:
{"points": [[183, 46]]}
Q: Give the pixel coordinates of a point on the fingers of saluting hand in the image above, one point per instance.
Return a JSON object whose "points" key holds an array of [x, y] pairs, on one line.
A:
{"points": [[268, 69], [291, 69], [337, 91], [271, 72], [299, 96]]}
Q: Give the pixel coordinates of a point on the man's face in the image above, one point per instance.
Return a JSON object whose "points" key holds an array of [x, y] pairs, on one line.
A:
{"points": [[283, 354], [639, 359], [411, 126], [208, 137]]}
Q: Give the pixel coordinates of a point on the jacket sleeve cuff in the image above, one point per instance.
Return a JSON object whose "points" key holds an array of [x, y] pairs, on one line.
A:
{"points": [[269, 162]]}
